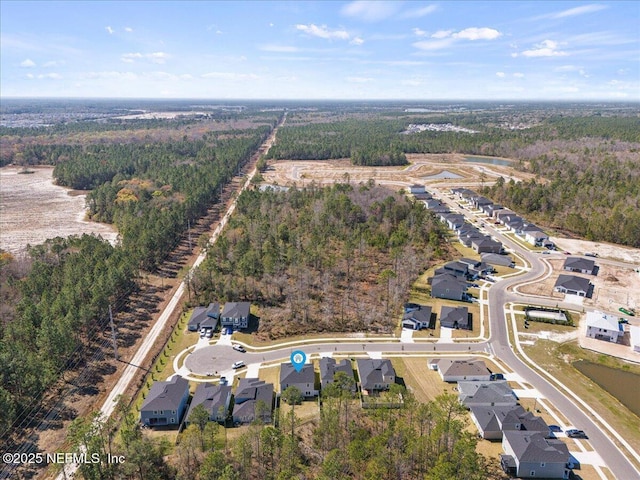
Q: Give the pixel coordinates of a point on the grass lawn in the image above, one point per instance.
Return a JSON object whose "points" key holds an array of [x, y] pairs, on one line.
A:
{"points": [[250, 340], [425, 383], [305, 412], [271, 375], [557, 359]]}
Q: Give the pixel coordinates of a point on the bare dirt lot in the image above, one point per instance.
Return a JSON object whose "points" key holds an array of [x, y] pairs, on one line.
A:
{"points": [[33, 209]]}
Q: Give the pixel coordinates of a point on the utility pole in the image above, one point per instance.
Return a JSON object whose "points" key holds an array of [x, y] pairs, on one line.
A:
{"points": [[113, 334]]}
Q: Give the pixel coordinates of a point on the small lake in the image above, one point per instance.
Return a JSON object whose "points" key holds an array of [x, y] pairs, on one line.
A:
{"points": [[489, 161], [623, 385], [443, 174]]}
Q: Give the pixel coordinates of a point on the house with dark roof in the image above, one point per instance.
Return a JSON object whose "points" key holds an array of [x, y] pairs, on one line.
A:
{"points": [[455, 317], [416, 189], [215, 399], [375, 374], [497, 259], [304, 380], [453, 220], [329, 367], [417, 319], [480, 201], [422, 196], [572, 285], [455, 370], [448, 286], [491, 421], [204, 317], [235, 315], [253, 399], [487, 393], [490, 208], [531, 455], [165, 403], [534, 235], [579, 265], [486, 245]]}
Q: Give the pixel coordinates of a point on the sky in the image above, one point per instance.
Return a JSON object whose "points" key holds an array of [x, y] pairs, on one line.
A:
{"points": [[412, 50]]}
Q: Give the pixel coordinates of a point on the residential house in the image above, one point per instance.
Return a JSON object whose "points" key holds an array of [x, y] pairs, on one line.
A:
{"points": [[235, 315], [490, 208], [455, 317], [329, 367], [416, 189], [417, 319], [480, 201], [448, 286], [304, 380], [603, 326], [165, 403], [494, 393], [375, 374], [432, 203], [459, 269], [214, 398], [580, 265], [204, 317], [422, 196], [531, 455], [635, 338], [491, 421], [486, 245], [535, 236], [462, 369], [572, 285], [497, 259], [453, 220], [253, 398], [500, 215]]}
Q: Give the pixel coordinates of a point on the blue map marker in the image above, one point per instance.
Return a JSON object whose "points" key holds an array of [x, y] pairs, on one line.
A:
{"points": [[298, 359]]}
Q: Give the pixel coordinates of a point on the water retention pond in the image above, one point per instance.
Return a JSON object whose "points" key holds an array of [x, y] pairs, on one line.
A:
{"points": [[625, 386]]}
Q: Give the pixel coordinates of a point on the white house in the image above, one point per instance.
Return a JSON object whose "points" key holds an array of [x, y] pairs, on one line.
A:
{"points": [[635, 338], [602, 326]]}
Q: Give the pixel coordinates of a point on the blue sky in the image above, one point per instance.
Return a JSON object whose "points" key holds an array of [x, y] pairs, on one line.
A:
{"points": [[542, 50]]}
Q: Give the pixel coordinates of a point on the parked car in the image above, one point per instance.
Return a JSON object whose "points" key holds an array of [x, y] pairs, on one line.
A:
{"points": [[224, 381], [208, 333], [238, 364], [239, 348], [555, 428], [573, 433]]}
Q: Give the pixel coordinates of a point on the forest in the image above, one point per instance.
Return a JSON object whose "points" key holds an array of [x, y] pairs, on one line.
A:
{"points": [[587, 160], [417, 441], [339, 258]]}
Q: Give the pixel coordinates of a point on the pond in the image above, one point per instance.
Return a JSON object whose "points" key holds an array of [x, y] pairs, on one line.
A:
{"points": [[623, 385], [489, 160]]}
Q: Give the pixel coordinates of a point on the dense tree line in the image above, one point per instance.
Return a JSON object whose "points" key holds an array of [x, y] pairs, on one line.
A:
{"points": [[61, 303], [339, 258], [416, 441]]}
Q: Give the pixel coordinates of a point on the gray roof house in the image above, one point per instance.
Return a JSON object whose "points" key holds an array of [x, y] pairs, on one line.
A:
{"points": [[204, 317], [531, 455], [375, 374], [487, 393], [579, 265], [250, 391], [165, 403], [486, 245], [497, 259], [570, 284], [462, 369], [448, 286], [304, 380], [329, 367], [214, 398], [491, 421], [235, 315], [453, 220], [534, 235], [416, 189], [455, 317], [417, 319]]}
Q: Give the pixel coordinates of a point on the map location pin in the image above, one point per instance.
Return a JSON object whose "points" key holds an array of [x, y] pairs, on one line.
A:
{"points": [[298, 359]]}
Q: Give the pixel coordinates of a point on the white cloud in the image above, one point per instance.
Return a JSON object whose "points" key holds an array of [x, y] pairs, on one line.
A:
{"points": [[323, 32], [230, 76], [572, 12], [109, 30], [128, 29], [547, 48], [438, 44], [518, 75], [278, 48], [418, 32], [420, 12], [30, 75], [154, 57], [500, 74], [359, 79], [478, 34], [27, 63], [442, 34], [52, 76], [370, 11], [356, 41]]}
